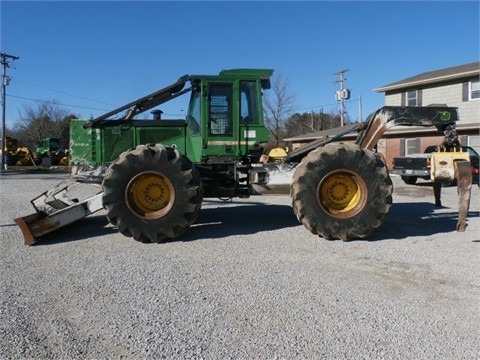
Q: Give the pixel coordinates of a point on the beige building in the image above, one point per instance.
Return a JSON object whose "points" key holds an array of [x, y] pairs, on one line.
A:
{"points": [[457, 86]]}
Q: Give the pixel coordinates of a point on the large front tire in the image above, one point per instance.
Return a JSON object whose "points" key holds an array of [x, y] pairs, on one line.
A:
{"points": [[341, 191], [152, 193]]}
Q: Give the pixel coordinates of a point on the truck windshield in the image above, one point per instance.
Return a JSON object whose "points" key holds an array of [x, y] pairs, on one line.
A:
{"points": [[54, 144]]}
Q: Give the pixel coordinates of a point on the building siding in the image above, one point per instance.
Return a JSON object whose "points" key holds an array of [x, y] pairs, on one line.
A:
{"points": [[449, 94]]}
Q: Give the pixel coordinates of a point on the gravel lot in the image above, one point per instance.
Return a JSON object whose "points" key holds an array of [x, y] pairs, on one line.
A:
{"points": [[246, 282]]}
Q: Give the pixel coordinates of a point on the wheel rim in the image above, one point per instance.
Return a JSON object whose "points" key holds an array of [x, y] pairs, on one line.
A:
{"points": [[150, 195], [342, 194]]}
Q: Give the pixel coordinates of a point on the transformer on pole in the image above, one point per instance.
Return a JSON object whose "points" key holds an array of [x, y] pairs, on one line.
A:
{"points": [[342, 94]]}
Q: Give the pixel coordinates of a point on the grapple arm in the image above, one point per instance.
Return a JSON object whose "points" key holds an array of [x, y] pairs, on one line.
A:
{"points": [[381, 120]]}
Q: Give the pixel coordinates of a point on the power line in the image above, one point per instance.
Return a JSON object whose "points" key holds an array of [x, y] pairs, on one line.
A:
{"points": [[325, 105], [56, 102], [62, 92], [53, 102]]}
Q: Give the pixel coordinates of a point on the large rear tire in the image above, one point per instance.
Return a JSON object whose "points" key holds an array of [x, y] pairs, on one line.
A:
{"points": [[341, 191], [152, 193]]}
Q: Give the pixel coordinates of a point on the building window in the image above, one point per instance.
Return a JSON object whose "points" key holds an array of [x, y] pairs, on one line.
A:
{"points": [[411, 146], [474, 142], [474, 90], [412, 98]]}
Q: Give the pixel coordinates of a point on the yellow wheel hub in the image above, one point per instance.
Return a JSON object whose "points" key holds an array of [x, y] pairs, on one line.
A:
{"points": [[342, 194], [150, 195]]}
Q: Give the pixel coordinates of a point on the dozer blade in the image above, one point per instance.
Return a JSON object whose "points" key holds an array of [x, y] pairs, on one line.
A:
{"points": [[54, 209], [38, 224], [464, 185]]}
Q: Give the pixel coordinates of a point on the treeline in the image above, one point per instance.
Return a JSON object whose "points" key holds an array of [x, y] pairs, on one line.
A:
{"points": [[45, 120]]}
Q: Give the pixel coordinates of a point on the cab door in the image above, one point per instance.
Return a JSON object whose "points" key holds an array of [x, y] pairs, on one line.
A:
{"points": [[252, 130], [221, 105]]}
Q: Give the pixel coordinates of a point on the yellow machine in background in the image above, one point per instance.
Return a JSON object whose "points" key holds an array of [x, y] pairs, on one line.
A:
{"points": [[277, 154], [15, 155]]}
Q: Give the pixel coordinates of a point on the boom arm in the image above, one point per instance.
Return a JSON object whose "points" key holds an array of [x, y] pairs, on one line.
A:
{"points": [[145, 103], [444, 118]]}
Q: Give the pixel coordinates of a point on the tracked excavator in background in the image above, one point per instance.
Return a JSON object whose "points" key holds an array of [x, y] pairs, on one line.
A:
{"points": [[151, 175]]}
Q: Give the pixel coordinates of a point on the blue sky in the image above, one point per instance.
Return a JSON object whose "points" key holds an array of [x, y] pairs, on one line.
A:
{"points": [[92, 57]]}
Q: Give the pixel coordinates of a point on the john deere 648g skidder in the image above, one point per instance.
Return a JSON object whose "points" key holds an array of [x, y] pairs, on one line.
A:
{"points": [[152, 174]]}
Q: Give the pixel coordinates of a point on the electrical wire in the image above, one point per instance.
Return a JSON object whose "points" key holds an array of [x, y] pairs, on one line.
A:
{"points": [[55, 103], [62, 92]]}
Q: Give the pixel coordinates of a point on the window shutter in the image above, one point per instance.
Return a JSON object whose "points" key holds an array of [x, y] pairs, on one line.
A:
{"points": [[465, 91], [402, 147], [417, 145], [419, 97], [403, 99]]}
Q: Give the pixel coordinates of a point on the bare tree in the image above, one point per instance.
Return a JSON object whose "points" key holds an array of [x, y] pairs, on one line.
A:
{"points": [[45, 120], [299, 124], [278, 105]]}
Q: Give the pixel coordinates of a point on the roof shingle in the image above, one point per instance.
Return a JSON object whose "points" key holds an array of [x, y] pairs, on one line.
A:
{"points": [[450, 73]]}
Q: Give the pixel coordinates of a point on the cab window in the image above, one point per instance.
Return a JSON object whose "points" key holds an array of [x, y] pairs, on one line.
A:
{"points": [[248, 102], [193, 116], [220, 106]]}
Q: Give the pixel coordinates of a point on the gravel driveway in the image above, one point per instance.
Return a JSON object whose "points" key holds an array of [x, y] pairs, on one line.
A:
{"points": [[247, 281]]}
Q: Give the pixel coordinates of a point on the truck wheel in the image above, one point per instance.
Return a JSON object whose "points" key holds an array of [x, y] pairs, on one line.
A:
{"points": [[10, 159], [409, 180], [37, 157], [152, 193], [341, 191], [57, 157]]}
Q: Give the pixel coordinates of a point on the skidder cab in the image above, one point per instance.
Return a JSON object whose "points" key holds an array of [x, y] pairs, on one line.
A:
{"points": [[221, 133]]}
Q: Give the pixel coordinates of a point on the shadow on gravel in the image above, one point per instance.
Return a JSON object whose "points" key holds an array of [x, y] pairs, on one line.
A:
{"points": [[12, 170], [404, 220], [417, 219], [43, 176], [212, 223], [244, 219], [91, 226]]}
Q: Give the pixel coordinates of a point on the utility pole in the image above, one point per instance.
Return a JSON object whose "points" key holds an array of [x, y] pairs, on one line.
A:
{"points": [[342, 95], [360, 109], [321, 119], [5, 61]]}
